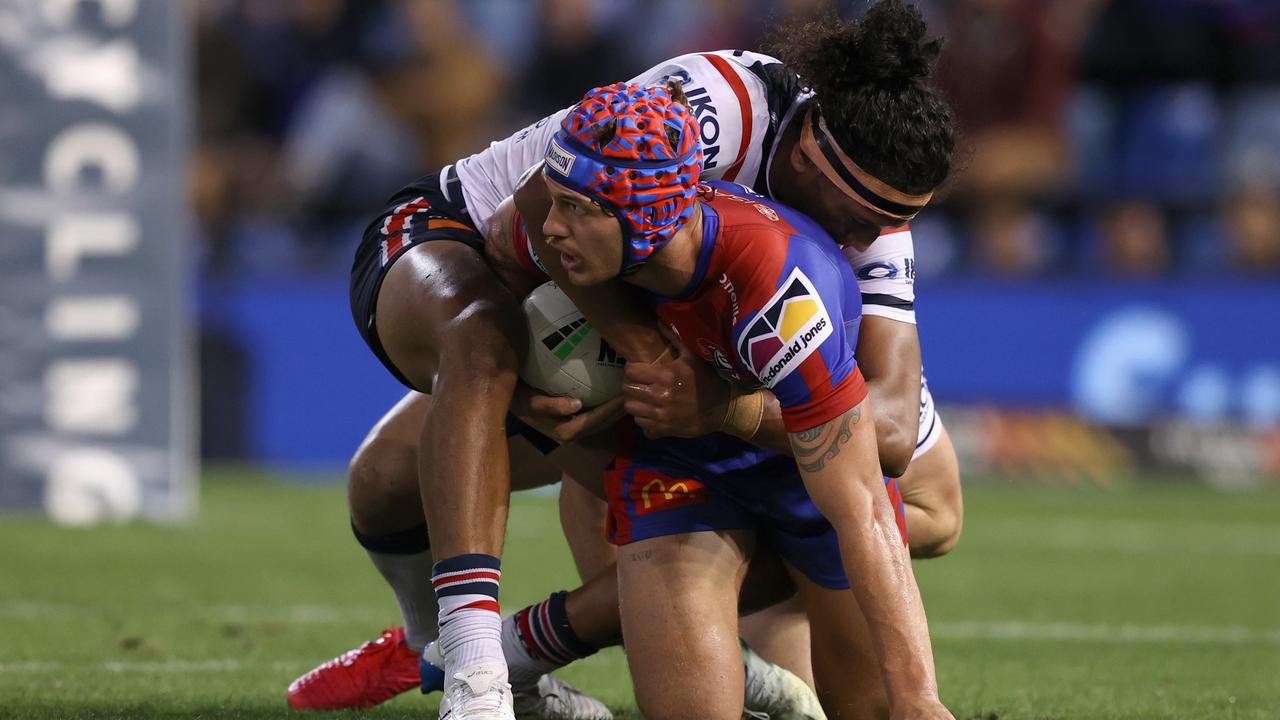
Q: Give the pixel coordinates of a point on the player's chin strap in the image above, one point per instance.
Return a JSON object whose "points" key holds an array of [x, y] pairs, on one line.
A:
{"points": [[818, 145]]}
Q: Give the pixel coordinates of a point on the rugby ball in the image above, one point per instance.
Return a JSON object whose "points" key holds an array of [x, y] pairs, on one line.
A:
{"points": [[566, 355]]}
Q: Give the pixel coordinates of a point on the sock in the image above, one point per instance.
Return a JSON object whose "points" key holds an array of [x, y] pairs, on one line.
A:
{"points": [[404, 559], [538, 639], [470, 627]]}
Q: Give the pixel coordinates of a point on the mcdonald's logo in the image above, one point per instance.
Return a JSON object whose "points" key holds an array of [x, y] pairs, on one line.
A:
{"points": [[652, 492]]}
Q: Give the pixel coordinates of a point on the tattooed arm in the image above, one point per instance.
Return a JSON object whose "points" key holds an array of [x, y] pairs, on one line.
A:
{"points": [[838, 462]]}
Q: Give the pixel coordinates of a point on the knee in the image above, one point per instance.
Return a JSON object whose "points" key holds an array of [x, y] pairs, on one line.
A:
{"points": [[382, 486]]}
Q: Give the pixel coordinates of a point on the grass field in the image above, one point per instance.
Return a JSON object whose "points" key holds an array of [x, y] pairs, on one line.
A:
{"points": [[1139, 602]]}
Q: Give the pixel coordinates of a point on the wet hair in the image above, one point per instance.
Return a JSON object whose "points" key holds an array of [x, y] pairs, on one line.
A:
{"points": [[873, 79]]}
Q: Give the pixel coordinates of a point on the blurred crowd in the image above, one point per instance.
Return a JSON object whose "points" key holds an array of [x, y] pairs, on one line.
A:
{"points": [[1125, 138]]}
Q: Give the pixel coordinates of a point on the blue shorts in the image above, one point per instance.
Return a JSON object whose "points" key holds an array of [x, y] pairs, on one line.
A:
{"points": [[674, 486]]}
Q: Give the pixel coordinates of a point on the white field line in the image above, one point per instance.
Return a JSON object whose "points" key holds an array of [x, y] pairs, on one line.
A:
{"points": [[297, 614], [1119, 634], [155, 666], [1004, 630], [174, 666], [20, 610], [30, 666], [290, 614], [1137, 537]]}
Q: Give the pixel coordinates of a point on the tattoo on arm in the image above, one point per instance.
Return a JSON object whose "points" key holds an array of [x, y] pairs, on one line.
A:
{"points": [[816, 446]]}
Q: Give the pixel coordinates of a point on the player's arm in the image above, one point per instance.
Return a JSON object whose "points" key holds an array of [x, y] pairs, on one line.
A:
{"points": [[888, 348], [685, 398], [889, 355], [837, 460], [832, 430]]}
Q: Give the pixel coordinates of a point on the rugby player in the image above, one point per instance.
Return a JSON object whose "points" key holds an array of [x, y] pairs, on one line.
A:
{"points": [[441, 321], [765, 296]]}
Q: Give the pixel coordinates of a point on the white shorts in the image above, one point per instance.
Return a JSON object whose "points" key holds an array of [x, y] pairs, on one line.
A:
{"points": [[930, 423]]}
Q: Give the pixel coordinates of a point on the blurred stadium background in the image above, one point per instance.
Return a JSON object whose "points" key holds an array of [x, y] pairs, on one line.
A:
{"points": [[181, 188]]}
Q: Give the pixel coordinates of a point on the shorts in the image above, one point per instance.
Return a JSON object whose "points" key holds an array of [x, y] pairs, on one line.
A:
{"points": [[674, 486], [427, 209]]}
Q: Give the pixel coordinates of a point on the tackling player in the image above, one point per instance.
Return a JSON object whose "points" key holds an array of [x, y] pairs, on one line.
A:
{"points": [[454, 332], [765, 297]]}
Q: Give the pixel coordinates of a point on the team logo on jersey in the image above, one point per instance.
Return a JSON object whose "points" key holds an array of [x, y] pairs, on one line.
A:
{"points": [[878, 271], [559, 158], [792, 325], [719, 360], [767, 211], [888, 270]]}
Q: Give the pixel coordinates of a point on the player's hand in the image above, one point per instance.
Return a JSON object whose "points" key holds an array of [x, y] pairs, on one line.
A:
{"points": [[678, 397], [562, 418]]}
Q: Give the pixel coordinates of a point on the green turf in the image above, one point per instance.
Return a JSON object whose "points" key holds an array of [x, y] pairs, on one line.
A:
{"points": [[1138, 602]]}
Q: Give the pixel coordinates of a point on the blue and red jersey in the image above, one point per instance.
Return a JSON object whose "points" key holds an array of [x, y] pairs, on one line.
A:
{"points": [[772, 304]]}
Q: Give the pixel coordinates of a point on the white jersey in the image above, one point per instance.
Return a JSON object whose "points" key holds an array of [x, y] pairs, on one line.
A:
{"points": [[739, 99], [743, 102]]}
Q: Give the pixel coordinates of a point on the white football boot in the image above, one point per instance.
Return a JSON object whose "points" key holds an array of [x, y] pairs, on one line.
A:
{"points": [[478, 692], [554, 699], [775, 692], [550, 698]]}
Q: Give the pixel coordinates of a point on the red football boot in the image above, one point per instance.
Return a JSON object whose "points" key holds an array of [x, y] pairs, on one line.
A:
{"points": [[370, 675]]}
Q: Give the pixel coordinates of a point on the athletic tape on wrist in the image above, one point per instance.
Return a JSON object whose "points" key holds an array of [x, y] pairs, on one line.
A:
{"points": [[744, 415]]}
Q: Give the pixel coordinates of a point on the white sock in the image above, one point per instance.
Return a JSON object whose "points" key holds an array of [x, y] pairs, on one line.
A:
{"points": [[466, 587], [410, 578]]}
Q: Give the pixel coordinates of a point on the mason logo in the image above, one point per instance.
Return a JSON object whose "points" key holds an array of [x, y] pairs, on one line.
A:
{"points": [[559, 159], [792, 325]]}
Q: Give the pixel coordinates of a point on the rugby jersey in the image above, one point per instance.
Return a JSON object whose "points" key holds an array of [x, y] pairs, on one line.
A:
{"points": [[772, 304], [743, 102]]}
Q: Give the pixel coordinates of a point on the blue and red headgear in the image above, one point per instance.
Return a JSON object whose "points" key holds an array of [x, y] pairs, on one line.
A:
{"points": [[635, 172]]}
